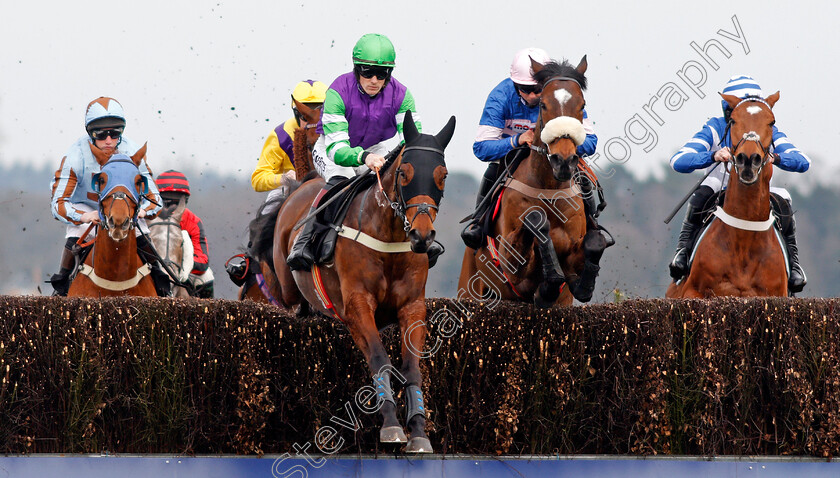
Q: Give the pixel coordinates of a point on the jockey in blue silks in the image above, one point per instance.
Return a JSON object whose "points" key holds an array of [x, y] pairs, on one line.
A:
{"points": [[711, 144]]}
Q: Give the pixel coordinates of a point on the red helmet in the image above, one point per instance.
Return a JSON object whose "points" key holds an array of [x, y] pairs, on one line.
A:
{"points": [[173, 181]]}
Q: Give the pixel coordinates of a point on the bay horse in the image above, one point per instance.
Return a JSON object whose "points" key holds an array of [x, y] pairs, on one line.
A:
{"points": [[174, 246], [261, 284], [113, 267], [536, 247], [739, 253], [379, 269]]}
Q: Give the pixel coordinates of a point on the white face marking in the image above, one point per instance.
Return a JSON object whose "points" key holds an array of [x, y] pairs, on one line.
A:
{"points": [[562, 96], [753, 110]]}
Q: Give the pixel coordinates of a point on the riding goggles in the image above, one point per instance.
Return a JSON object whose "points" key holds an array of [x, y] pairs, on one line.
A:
{"points": [[367, 72], [101, 134], [528, 89]]}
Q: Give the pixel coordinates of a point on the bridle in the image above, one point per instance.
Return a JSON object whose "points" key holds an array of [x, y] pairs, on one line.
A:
{"points": [[166, 261], [543, 150], [750, 136], [416, 188], [118, 196]]}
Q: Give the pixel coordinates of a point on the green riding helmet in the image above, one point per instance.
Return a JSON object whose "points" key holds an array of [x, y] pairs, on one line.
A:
{"points": [[374, 49]]}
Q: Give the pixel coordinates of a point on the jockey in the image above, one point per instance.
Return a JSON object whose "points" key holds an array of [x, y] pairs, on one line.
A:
{"points": [[507, 122], [276, 163], [74, 203], [706, 148], [362, 110], [173, 186]]}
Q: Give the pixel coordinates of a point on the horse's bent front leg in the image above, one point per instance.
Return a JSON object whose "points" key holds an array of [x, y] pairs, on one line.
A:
{"points": [[360, 319], [412, 319], [594, 244], [553, 278]]}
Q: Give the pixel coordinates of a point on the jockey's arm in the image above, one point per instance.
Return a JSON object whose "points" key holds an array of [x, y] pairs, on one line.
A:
{"points": [[195, 228], [407, 105], [63, 185], [697, 152], [790, 157], [151, 208], [273, 162], [490, 145], [591, 141], [336, 132]]}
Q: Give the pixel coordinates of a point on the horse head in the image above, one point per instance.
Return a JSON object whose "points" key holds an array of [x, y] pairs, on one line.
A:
{"points": [[308, 119], [751, 135], [120, 186], [420, 175], [559, 129]]}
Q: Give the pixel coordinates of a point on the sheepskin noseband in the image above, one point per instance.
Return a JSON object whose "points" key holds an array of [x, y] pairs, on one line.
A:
{"points": [[563, 126]]}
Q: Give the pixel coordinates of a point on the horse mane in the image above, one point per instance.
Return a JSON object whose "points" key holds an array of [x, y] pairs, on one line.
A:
{"points": [[552, 69], [300, 150]]}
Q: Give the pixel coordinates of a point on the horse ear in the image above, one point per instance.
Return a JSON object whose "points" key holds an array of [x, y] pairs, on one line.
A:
{"points": [[772, 99], [731, 100], [446, 133], [581, 68], [309, 114], [139, 155], [535, 65], [410, 132]]}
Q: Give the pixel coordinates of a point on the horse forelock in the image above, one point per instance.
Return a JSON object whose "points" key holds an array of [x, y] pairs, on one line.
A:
{"points": [[563, 69]]}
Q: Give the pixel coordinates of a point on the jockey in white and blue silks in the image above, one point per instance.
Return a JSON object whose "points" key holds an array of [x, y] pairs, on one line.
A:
{"points": [[363, 110], [73, 200], [507, 122], [704, 149]]}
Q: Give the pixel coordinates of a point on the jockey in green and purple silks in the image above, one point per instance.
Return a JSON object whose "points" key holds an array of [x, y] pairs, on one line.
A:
{"points": [[363, 109]]}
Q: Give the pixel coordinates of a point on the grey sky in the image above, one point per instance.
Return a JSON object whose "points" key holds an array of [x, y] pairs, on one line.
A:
{"points": [[205, 82]]}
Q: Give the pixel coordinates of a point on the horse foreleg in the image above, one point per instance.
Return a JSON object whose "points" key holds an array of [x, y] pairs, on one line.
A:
{"points": [[412, 319], [360, 319], [594, 244], [553, 278]]}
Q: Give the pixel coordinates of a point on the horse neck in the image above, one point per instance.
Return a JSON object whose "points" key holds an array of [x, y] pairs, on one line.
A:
{"points": [[114, 260], [751, 203]]}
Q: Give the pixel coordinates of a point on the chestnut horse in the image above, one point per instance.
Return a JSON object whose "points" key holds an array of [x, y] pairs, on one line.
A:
{"points": [[739, 253], [379, 270], [113, 267], [261, 285], [537, 243], [174, 246]]}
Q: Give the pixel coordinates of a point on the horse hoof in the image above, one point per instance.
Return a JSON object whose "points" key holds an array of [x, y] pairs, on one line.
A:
{"points": [[393, 434], [419, 445]]}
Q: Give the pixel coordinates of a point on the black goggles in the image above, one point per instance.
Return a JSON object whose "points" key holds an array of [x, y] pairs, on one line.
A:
{"points": [[369, 72], [101, 134], [528, 89]]}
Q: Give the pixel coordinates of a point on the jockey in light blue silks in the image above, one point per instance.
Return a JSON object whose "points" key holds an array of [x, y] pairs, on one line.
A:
{"points": [[712, 144], [363, 109], [75, 203]]}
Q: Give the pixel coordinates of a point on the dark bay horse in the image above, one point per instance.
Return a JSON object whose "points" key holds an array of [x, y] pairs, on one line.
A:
{"points": [[113, 267], [261, 284], [739, 254], [537, 243], [379, 270]]}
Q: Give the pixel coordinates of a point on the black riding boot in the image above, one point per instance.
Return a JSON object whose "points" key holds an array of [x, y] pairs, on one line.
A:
{"points": [[61, 280], [472, 235], [301, 256], [690, 227], [205, 291], [797, 279], [159, 276]]}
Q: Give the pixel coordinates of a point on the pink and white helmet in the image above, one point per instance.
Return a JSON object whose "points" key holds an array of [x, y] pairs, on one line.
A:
{"points": [[520, 69]]}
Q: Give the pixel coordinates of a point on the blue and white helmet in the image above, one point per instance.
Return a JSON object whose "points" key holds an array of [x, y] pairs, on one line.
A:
{"points": [[740, 86], [104, 112]]}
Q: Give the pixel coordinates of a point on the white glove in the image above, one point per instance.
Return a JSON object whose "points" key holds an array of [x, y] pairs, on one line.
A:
{"points": [[141, 213], [374, 161], [90, 216]]}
